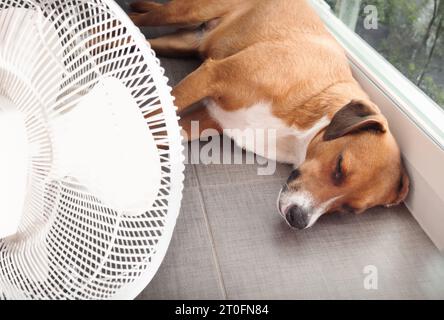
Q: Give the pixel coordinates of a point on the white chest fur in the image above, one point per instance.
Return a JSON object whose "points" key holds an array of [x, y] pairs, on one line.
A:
{"points": [[290, 143]]}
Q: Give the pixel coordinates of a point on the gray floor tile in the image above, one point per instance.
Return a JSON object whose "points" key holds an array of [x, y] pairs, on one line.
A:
{"points": [[176, 69], [188, 270], [190, 177], [261, 258], [217, 174], [190, 172]]}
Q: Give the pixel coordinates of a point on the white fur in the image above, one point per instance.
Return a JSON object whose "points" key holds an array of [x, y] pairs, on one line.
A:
{"points": [[291, 146], [305, 201], [302, 199], [291, 142], [320, 210]]}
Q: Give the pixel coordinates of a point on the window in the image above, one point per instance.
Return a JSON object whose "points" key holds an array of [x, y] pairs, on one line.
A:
{"points": [[408, 33], [365, 35]]}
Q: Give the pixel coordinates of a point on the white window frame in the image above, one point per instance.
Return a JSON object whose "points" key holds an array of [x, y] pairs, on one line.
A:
{"points": [[416, 121]]}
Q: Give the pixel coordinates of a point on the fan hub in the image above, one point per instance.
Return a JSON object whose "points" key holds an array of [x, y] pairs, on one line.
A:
{"points": [[13, 167]]}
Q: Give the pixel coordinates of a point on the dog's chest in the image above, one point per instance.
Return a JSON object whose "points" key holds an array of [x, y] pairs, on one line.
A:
{"points": [[257, 130]]}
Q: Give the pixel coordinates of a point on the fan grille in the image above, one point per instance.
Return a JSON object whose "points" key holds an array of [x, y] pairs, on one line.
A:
{"points": [[69, 244]]}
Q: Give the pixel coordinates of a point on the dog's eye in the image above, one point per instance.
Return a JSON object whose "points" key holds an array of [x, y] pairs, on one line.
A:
{"points": [[338, 175], [294, 175]]}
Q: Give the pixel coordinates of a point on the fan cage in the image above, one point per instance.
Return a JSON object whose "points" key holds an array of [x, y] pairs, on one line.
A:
{"points": [[69, 244]]}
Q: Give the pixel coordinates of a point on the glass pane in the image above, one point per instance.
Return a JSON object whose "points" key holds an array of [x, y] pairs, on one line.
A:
{"points": [[408, 33]]}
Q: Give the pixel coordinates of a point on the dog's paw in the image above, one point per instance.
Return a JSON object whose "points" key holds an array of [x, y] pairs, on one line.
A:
{"points": [[144, 6], [137, 18]]}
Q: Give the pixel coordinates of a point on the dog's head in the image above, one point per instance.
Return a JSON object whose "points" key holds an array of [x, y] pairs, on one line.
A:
{"points": [[352, 165]]}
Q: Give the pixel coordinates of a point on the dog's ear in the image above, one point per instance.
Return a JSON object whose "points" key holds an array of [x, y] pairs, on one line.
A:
{"points": [[355, 117]]}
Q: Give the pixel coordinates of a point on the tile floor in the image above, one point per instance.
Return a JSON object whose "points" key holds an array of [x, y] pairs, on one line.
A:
{"points": [[230, 243]]}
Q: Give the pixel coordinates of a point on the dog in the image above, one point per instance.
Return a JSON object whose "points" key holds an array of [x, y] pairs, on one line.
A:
{"points": [[272, 64]]}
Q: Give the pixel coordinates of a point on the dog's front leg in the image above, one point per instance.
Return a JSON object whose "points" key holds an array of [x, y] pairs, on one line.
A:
{"points": [[184, 43], [200, 84]]}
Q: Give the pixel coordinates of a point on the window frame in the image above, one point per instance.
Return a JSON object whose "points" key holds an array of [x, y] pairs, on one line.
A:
{"points": [[414, 118]]}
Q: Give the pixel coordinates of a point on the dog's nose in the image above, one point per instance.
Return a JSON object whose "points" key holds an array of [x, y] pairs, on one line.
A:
{"points": [[297, 217]]}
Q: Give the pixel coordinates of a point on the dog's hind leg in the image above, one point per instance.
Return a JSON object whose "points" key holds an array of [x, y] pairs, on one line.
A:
{"points": [[179, 12], [184, 43], [199, 124]]}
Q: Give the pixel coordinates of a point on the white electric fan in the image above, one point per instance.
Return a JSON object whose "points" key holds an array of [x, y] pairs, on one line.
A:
{"points": [[91, 164]]}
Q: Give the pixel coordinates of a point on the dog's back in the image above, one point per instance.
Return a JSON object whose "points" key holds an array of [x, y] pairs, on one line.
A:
{"points": [[284, 50], [250, 22]]}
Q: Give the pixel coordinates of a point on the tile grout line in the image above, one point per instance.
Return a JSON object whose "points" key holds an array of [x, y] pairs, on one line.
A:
{"points": [[281, 180], [210, 233]]}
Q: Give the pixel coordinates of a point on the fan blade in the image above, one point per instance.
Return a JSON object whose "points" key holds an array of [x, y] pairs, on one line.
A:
{"points": [[13, 167], [105, 143]]}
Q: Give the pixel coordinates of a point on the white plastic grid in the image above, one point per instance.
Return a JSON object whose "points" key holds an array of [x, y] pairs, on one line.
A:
{"points": [[69, 244]]}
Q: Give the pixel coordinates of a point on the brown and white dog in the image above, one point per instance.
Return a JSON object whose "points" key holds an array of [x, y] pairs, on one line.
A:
{"points": [[272, 64]]}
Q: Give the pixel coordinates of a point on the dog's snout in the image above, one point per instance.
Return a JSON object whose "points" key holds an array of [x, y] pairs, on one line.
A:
{"points": [[297, 217]]}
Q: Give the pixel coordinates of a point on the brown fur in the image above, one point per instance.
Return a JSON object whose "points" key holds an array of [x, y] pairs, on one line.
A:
{"points": [[280, 51]]}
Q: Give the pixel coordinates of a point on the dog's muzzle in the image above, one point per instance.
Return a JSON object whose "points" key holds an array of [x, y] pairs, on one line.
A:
{"points": [[297, 217], [299, 209], [296, 208]]}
